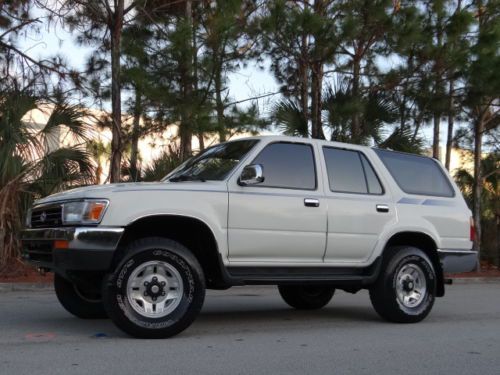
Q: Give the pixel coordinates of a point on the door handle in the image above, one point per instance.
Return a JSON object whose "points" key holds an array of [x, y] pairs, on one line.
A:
{"points": [[311, 202], [382, 208]]}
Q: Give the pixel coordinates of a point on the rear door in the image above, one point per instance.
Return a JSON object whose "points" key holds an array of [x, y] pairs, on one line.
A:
{"points": [[283, 219], [359, 208]]}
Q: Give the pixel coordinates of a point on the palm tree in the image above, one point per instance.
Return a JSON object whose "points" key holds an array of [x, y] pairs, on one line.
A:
{"points": [[376, 112], [290, 118], [31, 166]]}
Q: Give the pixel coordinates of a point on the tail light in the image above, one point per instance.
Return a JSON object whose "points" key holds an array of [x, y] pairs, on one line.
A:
{"points": [[472, 232]]}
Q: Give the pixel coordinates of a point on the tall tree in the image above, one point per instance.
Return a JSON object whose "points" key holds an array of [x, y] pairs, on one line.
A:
{"points": [[101, 23], [362, 34], [300, 39], [483, 92]]}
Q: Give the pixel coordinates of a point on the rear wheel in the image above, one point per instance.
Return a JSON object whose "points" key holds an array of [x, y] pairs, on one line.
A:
{"points": [[406, 288], [84, 304], [306, 297], [157, 291]]}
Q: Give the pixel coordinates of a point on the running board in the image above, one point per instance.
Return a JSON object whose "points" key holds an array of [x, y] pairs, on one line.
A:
{"points": [[340, 276]]}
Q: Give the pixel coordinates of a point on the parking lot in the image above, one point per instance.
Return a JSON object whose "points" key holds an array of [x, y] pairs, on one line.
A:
{"points": [[251, 331]]}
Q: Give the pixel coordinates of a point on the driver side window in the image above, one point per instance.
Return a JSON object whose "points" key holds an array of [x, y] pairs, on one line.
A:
{"points": [[288, 166]]}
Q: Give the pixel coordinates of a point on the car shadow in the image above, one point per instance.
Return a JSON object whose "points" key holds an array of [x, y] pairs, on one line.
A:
{"points": [[215, 320]]}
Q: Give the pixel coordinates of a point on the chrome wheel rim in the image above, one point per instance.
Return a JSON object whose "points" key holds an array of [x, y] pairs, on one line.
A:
{"points": [[155, 289], [411, 285]]}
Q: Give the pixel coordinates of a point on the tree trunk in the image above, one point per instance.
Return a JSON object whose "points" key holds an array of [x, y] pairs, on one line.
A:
{"points": [[451, 119], [435, 140], [116, 105], [316, 88], [355, 126], [185, 127], [478, 180], [304, 78], [219, 105], [134, 149]]}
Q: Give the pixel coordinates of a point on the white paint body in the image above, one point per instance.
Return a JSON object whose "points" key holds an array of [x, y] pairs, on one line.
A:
{"points": [[263, 226]]}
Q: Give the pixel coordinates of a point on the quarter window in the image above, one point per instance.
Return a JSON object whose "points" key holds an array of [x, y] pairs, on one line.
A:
{"points": [[416, 174], [288, 165], [350, 172]]}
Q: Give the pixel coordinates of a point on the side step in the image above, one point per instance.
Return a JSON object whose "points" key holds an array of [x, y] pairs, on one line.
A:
{"points": [[340, 276]]}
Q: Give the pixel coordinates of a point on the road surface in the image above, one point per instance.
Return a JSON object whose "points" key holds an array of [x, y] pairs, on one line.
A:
{"points": [[252, 331]]}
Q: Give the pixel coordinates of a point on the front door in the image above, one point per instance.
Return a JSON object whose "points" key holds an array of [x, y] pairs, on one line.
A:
{"points": [[283, 218]]}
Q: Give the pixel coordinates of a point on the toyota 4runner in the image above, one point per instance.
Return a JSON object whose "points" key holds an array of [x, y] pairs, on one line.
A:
{"points": [[309, 216]]}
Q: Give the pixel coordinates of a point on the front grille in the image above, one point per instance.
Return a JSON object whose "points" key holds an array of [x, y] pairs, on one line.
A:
{"points": [[38, 251], [46, 217]]}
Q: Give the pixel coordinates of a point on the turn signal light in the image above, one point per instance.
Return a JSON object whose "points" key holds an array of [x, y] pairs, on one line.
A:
{"points": [[61, 244], [95, 210]]}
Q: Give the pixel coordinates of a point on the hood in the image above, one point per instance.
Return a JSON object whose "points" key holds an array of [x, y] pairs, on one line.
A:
{"points": [[105, 191]]}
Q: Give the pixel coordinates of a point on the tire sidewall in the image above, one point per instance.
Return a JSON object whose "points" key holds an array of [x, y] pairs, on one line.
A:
{"points": [[404, 257], [124, 315]]}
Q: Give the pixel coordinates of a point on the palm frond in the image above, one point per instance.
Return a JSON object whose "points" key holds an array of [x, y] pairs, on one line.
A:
{"points": [[70, 117], [403, 140], [161, 166], [290, 119], [61, 169]]}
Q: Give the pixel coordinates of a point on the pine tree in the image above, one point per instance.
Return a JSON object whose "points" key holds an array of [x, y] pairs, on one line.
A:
{"points": [[483, 93]]}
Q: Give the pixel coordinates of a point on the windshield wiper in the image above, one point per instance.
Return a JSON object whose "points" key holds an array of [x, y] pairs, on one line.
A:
{"points": [[186, 178]]}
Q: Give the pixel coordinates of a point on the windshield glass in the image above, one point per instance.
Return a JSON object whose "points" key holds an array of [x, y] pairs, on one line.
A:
{"points": [[214, 163]]}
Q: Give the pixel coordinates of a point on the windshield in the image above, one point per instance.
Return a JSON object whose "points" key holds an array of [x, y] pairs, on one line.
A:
{"points": [[214, 163]]}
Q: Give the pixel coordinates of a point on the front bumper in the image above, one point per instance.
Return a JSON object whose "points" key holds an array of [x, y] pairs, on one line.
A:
{"points": [[457, 261], [85, 248]]}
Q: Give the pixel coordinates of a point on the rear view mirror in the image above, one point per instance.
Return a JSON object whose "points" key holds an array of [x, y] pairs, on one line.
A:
{"points": [[252, 174]]}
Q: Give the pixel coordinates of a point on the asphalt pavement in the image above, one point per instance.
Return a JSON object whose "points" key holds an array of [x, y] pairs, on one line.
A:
{"points": [[252, 331]]}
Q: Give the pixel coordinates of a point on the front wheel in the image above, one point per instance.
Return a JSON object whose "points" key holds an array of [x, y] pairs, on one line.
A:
{"points": [[157, 291], [82, 303], [306, 297], [406, 288]]}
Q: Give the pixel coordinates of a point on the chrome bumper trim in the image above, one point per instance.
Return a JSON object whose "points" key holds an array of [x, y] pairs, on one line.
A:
{"points": [[81, 238]]}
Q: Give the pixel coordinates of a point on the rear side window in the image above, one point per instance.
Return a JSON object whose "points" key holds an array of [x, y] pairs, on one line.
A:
{"points": [[288, 165], [350, 172], [416, 174]]}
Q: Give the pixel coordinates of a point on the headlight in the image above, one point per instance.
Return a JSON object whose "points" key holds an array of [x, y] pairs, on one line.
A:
{"points": [[84, 212]]}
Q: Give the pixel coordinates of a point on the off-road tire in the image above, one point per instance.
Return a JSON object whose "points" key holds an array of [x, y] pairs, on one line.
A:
{"points": [[140, 252], [306, 297], [80, 303], [384, 295]]}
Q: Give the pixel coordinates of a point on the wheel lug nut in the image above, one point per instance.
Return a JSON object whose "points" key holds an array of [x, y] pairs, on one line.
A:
{"points": [[154, 298], [155, 278], [163, 283], [162, 293], [146, 283], [145, 294]]}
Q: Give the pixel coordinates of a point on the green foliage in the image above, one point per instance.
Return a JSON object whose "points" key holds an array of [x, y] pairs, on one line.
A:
{"points": [[29, 168], [161, 166]]}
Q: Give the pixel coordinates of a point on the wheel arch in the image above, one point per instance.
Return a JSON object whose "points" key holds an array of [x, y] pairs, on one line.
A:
{"points": [[425, 243], [192, 232]]}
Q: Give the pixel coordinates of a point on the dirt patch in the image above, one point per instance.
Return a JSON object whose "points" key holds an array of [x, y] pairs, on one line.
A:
{"points": [[487, 270], [22, 273]]}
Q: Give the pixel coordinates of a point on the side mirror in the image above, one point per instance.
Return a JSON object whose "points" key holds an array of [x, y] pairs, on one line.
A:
{"points": [[252, 174]]}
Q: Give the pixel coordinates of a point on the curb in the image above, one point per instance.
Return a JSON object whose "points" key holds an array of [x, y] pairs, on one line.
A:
{"points": [[476, 280], [25, 287]]}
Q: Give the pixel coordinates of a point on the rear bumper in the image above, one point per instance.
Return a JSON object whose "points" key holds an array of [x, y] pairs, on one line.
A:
{"points": [[86, 249], [457, 261]]}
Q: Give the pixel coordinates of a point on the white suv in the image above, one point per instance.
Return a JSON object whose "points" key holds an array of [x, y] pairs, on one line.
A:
{"points": [[306, 215]]}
